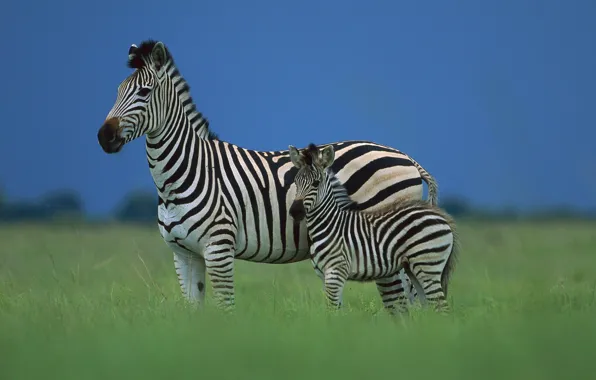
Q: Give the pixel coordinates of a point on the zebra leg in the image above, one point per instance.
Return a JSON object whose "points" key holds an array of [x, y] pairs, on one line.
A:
{"points": [[335, 281], [319, 274], [322, 277], [190, 269], [433, 289], [219, 260], [407, 287], [391, 289]]}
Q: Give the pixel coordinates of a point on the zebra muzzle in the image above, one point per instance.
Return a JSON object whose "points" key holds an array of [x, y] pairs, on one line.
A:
{"points": [[108, 137]]}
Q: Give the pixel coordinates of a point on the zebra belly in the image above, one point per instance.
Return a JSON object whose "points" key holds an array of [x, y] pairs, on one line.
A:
{"points": [[355, 275], [250, 246]]}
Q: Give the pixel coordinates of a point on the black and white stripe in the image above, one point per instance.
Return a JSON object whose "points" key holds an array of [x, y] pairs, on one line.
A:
{"points": [[219, 202], [352, 245]]}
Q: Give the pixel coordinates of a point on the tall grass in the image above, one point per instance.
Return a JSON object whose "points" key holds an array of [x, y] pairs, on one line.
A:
{"points": [[103, 302]]}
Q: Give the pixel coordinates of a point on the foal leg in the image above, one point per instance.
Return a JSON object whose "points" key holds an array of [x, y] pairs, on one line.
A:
{"points": [[391, 289], [335, 281], [433, 289], [321, 275]]}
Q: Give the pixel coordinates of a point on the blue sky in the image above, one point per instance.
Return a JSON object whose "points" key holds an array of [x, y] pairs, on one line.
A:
{"points": [[496, 99]]}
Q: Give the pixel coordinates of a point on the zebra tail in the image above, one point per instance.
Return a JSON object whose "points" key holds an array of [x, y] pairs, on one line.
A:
{"points": [[453, 256], [433, 187]]}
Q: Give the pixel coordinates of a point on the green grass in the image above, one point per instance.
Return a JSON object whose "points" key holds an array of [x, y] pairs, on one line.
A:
{"points": [[104, 303]]}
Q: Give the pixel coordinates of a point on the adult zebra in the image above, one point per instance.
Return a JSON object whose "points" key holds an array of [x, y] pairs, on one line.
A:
{"points": [[218, 201]]}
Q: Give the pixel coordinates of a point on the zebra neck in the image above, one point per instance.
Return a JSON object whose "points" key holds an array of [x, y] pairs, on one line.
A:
{"points": [[170, 156], [175, 148], [325, 222]]}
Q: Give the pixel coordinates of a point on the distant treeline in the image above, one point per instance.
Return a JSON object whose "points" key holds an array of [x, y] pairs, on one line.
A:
{"points": [[141, 207]]}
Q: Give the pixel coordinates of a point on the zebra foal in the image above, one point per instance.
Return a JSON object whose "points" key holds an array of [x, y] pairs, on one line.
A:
{"points": [[370, 246]]}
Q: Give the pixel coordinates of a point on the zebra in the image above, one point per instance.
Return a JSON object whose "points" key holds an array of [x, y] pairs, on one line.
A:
{"points": [[216, 201], [370, 246]]}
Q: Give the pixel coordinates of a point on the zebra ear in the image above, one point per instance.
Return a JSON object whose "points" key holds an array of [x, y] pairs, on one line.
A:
{"points": [[132, 51], [159, 56], [327, 156], [296, 157]]}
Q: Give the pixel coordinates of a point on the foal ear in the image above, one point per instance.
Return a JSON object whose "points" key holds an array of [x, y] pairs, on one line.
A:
{"points": [[327, 156], [296, 157]]}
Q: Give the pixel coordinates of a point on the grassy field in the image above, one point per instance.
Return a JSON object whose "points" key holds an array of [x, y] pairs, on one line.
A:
{"points": [[104, 303]]}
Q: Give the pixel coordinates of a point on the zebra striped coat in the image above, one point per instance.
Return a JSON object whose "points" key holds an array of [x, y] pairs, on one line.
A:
{"points": [[352, 245], [219, 202]]}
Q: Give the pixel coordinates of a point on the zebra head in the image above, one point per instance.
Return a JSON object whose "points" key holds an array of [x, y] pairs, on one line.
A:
{"points": [[142, 99], [311, 164]]}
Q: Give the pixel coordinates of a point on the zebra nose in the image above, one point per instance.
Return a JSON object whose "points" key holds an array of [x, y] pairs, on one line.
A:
{"points": [[105, 134], [297, 210]]}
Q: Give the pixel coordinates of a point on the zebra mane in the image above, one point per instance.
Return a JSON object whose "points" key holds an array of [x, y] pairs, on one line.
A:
{"points": [[138, 58], [340, 193]]}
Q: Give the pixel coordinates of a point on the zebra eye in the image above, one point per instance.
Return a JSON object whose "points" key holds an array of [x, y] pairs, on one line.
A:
{"points": [[315, 183], [144, 91]]}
